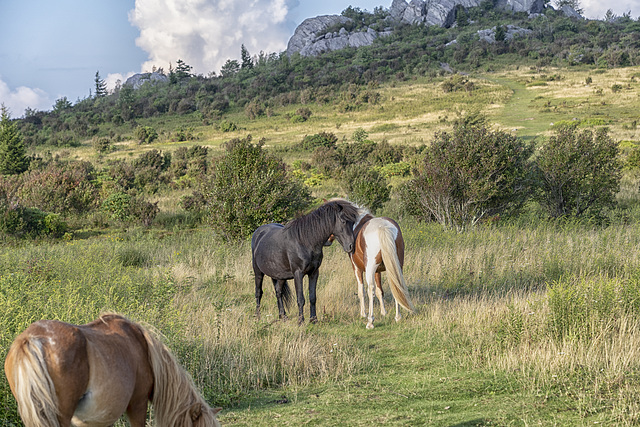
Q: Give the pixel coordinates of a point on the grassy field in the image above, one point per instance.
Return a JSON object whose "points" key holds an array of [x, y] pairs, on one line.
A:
{"points": [[527, 322]]}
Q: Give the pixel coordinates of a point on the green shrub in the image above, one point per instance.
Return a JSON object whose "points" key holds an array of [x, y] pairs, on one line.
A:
{"points": [[467, 175], [64, 188], [29, 222], [365, 186], [322, 139], [227, 126], [102, 144], [578, 173], [117, 206], [145, 134], [248, 188], [124, 207]]}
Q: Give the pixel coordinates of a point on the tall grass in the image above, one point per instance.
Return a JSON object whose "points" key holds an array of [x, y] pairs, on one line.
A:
{"points": [[552, 306]]}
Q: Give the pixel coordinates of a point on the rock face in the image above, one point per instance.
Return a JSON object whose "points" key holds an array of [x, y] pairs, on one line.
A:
{"points": [[529, 6], [138, 80], [570, 12], [428, 12], [311, 37], [511, 32]]}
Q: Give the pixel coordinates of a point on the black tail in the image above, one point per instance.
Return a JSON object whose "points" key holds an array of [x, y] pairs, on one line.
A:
{"points": [[286, 294]]}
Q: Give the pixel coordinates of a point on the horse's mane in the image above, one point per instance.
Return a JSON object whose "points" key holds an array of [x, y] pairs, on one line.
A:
{"points": [[320, 222], [176, 400]]}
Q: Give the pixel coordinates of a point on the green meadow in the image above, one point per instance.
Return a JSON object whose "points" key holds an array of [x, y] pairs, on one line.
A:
{"points": [[523, 321]]}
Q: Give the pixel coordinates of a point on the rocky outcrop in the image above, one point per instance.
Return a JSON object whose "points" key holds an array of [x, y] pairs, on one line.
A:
{"points": [[307, 32], [138, 80], [511, 32], [443, 12], [428, 12], [570, 12], [311, 37], [528, 6]]}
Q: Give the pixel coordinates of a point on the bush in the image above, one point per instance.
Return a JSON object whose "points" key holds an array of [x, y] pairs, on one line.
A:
{"points": [[467, 175], [365, 186], [102, 144], [145, 134], [250, 187], [19, 221], [227, 126], [123, 207], [59, 187], [578, 173], [322, 139], [149, 167]]}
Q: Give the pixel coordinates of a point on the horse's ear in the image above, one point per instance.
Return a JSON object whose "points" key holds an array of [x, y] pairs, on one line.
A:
{"points": [[216, 410], [195, 411]]}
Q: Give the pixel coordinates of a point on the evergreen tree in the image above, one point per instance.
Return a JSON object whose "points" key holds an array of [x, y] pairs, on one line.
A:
{"points": [[101, 86], [247, 63], [13, 159], [182, 69]]}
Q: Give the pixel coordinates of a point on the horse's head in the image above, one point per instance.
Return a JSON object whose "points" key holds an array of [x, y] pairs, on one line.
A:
{"points": [[203, 416], [343, 231]]}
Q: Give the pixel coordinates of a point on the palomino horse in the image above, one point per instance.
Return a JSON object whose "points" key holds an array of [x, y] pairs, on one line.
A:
{"points": [[379, 247], [285, 252], [89, 375]]}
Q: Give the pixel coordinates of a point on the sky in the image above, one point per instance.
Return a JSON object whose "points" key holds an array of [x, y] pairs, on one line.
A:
{"points": [[53, 49]]}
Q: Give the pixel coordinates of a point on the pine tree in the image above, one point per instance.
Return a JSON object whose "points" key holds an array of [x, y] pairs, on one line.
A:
{"points": [[101, 86], [13, 158], [247, 63]]}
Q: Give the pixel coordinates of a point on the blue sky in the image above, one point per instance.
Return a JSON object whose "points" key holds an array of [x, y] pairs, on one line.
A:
{"points": [[53, 48]]}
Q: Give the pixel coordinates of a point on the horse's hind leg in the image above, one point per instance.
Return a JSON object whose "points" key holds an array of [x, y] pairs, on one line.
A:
{"points": [[277, 286], [358, 274], [379, 293], [258, 280], [370, 276]]}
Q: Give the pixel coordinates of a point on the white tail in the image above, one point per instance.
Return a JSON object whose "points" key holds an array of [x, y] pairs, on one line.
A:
{"points": [[33, 386], [391, 262]]}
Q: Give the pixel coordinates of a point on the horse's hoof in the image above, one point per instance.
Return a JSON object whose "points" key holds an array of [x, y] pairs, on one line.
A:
{"points": [[369, 325], [398, 318], [300, 321], [284, 317], [314, 319]]}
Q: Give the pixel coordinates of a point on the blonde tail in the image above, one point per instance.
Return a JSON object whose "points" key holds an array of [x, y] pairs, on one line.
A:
{"points": [[32, 385], [392, 265]]}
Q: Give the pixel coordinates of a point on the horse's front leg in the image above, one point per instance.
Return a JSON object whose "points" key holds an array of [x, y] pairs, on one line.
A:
{"points": [[313, 281], [298, 277]]}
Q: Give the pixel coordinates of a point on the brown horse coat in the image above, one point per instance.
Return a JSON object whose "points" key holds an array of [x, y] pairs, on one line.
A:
{"points": [[91, 374]]}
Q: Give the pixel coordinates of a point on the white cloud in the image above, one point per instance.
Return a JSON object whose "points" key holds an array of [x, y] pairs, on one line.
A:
{"points": [[112, 79], [19, 99], [206, 33], [595, 9]]}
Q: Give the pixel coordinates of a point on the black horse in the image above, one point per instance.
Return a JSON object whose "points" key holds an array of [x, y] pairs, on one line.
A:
{"points": [[291, 251]]}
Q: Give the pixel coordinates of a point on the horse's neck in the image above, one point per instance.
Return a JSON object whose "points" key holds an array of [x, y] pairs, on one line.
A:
{"points": [[362, 220]]}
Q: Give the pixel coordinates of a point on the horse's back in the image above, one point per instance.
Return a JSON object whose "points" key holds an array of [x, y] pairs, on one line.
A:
{"points": [[120, 370]]}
